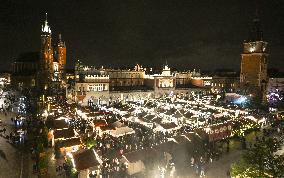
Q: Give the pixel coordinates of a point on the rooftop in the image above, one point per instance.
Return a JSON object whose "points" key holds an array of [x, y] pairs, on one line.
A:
{"points": [[85, 159]]}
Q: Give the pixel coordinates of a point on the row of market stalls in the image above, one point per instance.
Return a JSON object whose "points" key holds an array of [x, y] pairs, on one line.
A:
{"points": [[159, 116], [88, 161]]}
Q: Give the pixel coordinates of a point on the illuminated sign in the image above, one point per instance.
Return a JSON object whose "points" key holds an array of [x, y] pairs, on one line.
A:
{"points": [[218, 132]]}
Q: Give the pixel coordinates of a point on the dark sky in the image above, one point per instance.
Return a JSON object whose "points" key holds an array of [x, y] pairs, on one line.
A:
{"points": [[205, 34]]}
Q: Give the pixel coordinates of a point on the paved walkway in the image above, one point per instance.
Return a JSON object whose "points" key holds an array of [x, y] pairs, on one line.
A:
{"points": [[53, 163], [11, 161], [216, 169]]}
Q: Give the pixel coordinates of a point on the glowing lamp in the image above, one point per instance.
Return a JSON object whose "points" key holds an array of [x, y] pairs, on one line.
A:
{"points": [[252, 49]]}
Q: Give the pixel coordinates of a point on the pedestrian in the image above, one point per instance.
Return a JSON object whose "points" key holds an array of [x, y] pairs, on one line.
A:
{"points": [[4, 130], [211, 160], [228, 174], [202, 171], [192, 161], [11, 135], [196, 169]]}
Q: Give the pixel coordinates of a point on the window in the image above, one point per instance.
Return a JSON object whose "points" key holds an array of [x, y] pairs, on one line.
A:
{"points": [[33, 82]]}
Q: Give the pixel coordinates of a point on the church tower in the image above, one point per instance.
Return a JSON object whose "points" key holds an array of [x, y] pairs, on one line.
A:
{"points": [[46, 54], [253, 76], [61, 56]]}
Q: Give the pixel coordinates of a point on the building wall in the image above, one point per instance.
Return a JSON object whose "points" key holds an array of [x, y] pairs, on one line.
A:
{"points": [[275, 84], [184, 78], [227, 84], [197, 82], [253, 69], [126, 78], [92, 90], [253, 76], [24, 70], [121, 85], [21, 82]]}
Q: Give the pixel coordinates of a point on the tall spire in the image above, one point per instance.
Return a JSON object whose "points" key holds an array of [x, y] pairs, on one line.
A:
{"points": [[59, 37], [256, 33], [45, 27], [60, 42], [256, 15]]}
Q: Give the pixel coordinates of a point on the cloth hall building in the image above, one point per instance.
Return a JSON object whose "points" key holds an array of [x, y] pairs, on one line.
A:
{"points": [[101, 85]]}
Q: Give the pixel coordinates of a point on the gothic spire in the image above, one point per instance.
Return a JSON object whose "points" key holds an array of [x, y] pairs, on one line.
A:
{"points": [[256, 33], [60, 42], [45, 27], [59, 37]]}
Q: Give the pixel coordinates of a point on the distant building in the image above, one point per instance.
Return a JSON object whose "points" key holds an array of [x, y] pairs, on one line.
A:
{"points": [[24, 70], [165, 82], [225, 81], [91, 85], [126, 79], [183, 79], [253, 76], [276, 84], [100, 85]]}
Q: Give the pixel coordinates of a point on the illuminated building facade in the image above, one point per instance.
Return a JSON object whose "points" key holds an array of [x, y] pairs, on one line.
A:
{"points": [[253, 76], [165, 82], [99, 85], [275, 91], [53, 59], [183, 79], [276, 84], [228, 84], [91, 85], [126, 79]]}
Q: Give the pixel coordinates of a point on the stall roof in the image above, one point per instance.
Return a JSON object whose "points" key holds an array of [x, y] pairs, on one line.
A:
{"points": [[121, 131], [177, 114], [94, 114], [141, 155], [85, 159], [181, 139], [99, 123], [169, 146], [107, 127], [64, 133], [150, 117], [60, 124], [70, 142], [170, 125], [116, 124]]}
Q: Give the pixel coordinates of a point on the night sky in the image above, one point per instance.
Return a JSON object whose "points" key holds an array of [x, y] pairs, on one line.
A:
{"points": [[200, 34]]}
